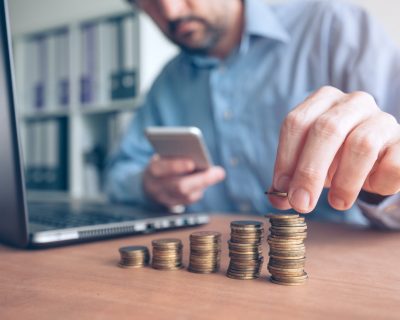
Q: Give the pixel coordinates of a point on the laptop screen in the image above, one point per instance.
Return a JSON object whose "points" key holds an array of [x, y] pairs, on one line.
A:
{"points": [[13, 228]]}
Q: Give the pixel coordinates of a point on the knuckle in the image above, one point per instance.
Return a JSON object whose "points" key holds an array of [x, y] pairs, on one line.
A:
{"points": [[363, 144], [295, 122], [363, 96], [389, 119], [327, 126], [309, 174], [328, 90], [361, 99]]}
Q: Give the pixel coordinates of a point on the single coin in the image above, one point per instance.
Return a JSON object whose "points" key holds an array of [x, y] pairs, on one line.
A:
{"points": [[132, 249], [286, 283], [281, 216], [246, 224], [279, 194]]}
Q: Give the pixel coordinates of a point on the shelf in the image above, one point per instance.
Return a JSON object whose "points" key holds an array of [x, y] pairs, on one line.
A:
{"points": [[45, 114], [48, 196], [114, 106]]}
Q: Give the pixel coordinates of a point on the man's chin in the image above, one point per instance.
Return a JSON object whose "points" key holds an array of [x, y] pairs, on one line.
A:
{"points": [[194, 47]]}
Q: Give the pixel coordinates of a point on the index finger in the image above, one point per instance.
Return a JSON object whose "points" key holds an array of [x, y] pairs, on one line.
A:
{"points": [[165, 167], [292, 136], [324, 139]]}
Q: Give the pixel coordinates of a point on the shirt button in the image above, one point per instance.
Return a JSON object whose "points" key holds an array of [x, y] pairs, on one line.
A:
{"points": [[234, 161], [228, 115], [245, 207]]}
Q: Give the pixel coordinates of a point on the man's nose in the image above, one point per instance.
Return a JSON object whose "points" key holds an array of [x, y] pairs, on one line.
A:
{"points": [[173, 9]]}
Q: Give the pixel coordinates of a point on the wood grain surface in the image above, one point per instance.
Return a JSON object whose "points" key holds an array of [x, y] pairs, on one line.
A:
{"points": [[354, 274]]}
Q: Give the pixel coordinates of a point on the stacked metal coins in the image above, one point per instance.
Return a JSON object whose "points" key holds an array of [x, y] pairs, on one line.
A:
{"points": [[287, 249], [245, 250], [205, 252], [134, 257], [167, 254]]}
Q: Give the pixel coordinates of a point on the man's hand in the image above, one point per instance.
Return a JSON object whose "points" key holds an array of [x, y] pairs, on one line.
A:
{"points": [[173, 182], [341, 141]]}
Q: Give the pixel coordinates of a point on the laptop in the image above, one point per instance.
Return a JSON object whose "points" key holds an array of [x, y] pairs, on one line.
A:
{"points": [[27, 224]]}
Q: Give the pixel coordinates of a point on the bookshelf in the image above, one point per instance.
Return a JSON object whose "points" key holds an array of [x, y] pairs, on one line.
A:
{"points": [[92, 124]]}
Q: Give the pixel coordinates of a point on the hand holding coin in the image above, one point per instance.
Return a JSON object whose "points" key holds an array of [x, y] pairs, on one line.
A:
{"points": [[340, 141]]}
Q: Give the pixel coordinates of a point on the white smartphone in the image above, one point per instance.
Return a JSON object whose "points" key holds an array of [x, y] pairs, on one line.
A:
{"points": [[180, 142]]}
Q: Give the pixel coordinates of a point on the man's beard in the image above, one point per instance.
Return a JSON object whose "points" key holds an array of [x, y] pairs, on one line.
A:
{"points": [[212, 35]]}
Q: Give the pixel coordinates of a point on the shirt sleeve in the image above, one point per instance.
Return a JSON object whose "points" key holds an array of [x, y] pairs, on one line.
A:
{"points": [[385, 215], [125, 168], [363, 57]]}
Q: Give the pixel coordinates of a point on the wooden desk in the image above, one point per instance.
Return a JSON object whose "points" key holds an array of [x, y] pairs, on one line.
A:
{"points": [[354, 274]]}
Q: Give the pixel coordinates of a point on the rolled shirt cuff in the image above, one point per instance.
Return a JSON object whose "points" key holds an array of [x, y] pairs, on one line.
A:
{"points": [[385, 215]]}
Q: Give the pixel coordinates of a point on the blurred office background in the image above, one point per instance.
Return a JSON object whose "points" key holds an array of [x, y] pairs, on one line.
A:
{"points": [[82, 69]]}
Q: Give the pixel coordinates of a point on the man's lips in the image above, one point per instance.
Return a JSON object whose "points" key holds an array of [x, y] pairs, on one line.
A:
{"points": [[186, 27]]}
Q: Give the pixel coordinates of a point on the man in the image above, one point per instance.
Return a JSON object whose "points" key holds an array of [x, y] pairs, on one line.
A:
{"points": [[301, 96]]}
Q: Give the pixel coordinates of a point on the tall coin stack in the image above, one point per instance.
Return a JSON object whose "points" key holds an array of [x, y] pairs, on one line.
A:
{"points": [[205, 252], [167, 254], [245, 250], [134, 257], [287, 249]]}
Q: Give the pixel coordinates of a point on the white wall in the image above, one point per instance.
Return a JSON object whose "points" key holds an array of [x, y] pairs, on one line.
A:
{"points": [[386, 11], [31, 15]]}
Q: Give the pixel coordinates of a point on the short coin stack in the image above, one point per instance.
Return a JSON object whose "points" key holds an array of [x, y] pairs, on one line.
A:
{"points": [[205, 252], [134, 257], [167, 254], [287, 249], [245, 250]]}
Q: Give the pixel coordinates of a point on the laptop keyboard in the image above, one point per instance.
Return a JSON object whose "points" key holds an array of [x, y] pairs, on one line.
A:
{"points": [[65, 218]]}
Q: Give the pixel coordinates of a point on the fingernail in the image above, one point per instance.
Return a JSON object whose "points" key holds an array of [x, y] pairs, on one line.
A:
{"points": [[283, 183], [300, 200], [337, 203]]}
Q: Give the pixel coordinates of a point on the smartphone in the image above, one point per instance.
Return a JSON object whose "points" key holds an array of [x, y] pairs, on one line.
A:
{"points": [[180, 142]]}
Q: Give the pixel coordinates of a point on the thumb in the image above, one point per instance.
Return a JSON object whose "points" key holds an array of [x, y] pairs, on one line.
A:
{"points": [[216, 174]]}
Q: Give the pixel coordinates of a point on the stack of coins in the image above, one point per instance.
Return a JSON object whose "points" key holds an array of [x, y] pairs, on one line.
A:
{"points": [[205, 252], [287, 249], [134, 257], [245, 250], [167, 254]]}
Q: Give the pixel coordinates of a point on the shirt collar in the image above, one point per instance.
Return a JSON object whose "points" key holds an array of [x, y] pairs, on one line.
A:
{"points": [[260, 21]]}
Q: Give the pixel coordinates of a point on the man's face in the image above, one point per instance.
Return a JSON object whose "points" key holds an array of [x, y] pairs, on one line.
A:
{"points": [[194, 25]]}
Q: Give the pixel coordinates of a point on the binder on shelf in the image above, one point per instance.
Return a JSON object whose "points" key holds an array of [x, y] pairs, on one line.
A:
{"points": [[88, 63], [62, 67], [50, 82], [46, 156], [104, 64], [124, 73], [47, 70], [37, 56]]}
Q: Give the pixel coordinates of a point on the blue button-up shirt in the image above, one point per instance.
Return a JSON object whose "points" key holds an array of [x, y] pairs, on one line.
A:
{"points": [[286, 52]]}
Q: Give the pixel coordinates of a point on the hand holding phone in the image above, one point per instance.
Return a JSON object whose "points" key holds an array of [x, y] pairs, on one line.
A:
{"points": [[180, 142], [181, 170]]}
